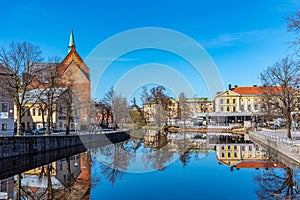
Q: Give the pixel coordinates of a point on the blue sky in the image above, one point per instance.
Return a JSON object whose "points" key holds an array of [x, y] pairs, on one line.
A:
{"points": [[241, 37]]}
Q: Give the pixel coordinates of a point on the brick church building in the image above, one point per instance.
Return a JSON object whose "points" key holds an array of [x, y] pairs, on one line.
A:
{"points": [[73, 66], [68, 80]]}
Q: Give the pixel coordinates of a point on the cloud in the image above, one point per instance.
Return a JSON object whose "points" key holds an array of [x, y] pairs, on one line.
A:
{"points": [[231, 39], [114, 59]]}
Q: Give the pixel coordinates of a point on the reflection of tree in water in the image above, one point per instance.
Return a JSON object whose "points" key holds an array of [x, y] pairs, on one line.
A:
{"points": [[158, 158], [275, 184], [185, 158], [75, 186], [116, 162], [24, 192]]}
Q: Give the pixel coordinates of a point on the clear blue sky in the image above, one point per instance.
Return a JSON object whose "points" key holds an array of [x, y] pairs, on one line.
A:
{"points": [[242, 37]]}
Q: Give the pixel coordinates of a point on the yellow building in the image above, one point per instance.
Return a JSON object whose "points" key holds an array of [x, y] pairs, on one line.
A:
{"points": [[173, 111], [239, 99], [36, 116], [231, 154]]}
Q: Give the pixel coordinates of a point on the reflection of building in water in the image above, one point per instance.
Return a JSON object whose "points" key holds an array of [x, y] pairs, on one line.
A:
{"points": [[62, 173], [79, 188], [7, 188], [234, 152], [153, 139]]}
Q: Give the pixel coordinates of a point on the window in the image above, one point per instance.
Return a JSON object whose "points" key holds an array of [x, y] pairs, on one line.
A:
{"points": [[223, 155], [221, 101], [4, 127], [235, 147], [4, 107], [235, 155], [222, 109], [233, 109], [33, 111], [39, 112], [228, 108], [227, 101], [4, 88], [28, 125], [249, 107], [233, 100], [229, 155], [60, 111]]}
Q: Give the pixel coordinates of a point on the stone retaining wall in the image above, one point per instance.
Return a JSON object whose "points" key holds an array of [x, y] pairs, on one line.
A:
{"points": [[20, 145], [286, 148]]}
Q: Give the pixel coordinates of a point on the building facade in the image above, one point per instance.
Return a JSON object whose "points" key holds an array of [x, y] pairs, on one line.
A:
{"points": [[239, 99], [71, 75], [176, 109], [6, 106]]}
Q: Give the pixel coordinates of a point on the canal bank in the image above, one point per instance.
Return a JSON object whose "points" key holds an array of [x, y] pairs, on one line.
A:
{"points": [[21, 145], [277, 141]]}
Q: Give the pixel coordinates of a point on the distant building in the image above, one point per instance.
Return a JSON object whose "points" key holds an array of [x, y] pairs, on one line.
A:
{"points": [[193, 106], [6, 106]]}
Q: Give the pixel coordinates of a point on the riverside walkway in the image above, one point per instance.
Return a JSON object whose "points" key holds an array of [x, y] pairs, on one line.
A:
{"points": [[277, 140]]}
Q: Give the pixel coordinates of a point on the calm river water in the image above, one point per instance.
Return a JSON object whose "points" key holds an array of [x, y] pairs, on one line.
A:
{"points": [[162, 166]]}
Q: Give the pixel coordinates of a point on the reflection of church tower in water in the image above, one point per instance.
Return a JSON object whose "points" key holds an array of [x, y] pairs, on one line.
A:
{"points": [[76, 74]]}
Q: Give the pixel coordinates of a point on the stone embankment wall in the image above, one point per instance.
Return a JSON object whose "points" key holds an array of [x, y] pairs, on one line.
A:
{"points": [[16, 146], [281, 145]]}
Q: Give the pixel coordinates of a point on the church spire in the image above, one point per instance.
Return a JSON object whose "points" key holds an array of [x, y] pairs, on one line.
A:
{"points": [[71, 42]]}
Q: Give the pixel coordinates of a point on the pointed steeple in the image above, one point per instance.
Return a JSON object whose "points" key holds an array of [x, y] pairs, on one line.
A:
{"points": [[71, 42]]}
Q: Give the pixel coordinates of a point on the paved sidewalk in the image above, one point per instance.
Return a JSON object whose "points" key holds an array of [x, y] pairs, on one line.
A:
{"points": [[279, 135]]}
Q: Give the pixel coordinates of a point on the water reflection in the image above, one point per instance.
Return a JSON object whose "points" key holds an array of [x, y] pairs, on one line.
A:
{"points": [[68, 178], [74, 177], [278, 184]]}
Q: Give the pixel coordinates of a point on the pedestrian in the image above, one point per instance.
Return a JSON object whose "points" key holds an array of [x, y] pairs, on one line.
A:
{"points": [[276, 124], [294, 125]]}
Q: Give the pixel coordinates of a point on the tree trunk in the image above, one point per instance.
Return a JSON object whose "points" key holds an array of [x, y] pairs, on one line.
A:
{"points": [[18, 187], [49, 182], [19, 122], [48, 122], [289, 126]]}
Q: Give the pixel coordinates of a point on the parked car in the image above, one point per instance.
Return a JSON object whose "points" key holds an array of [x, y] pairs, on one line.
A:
{"points": [[40, 131]]}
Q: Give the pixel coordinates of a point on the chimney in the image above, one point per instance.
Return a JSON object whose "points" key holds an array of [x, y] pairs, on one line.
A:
{"points": [[235, 86], [229, 87], [254, 85]]}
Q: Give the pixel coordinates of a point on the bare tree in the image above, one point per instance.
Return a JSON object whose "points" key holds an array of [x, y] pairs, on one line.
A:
{"points": [[121, 111], [159, 103], [18, 62], [183, 108], [69, 104], [274, 185], [139, 115], [293, 25], [281, 82]]}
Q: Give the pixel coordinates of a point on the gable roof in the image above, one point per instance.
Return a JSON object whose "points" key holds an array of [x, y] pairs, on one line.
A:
{"points": [[257, 90], [227, 92], [73, 56]]}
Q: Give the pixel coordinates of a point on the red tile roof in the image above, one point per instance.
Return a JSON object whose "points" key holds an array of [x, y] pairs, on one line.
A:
{"points": [[257, 89], [259, 164]]}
